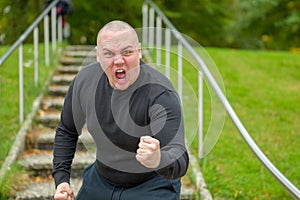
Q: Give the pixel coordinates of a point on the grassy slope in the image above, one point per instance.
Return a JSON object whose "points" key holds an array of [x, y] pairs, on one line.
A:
{"points": [[9, 104], [9, 93], [263, 88]]}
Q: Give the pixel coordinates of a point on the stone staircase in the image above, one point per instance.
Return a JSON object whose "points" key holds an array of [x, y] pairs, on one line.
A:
{"points": [[37, 158]]}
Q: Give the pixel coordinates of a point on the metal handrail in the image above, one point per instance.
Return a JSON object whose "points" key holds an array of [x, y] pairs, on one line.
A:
{"points": [[19, 44], [292, 189]]}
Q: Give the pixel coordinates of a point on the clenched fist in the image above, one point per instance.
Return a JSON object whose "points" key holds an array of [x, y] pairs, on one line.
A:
{"points": [[64, 192], [148, 153]]}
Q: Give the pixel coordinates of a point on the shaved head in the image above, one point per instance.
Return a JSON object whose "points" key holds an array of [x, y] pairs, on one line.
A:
{"points": [[117, 26]]}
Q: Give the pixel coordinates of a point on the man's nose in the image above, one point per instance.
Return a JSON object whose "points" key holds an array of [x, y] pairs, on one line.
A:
{"points": [[118, 59]]}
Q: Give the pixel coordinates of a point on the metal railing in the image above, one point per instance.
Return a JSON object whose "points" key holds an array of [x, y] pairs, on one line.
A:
{"points": [[56, 33], [150, 10]]}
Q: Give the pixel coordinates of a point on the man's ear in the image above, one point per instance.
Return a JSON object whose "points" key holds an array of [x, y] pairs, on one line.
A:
{"points": [[140, 51], [97, 54]]}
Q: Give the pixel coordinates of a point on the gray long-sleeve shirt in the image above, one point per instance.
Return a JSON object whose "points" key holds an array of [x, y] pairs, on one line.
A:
{"points": [[116, 120]]}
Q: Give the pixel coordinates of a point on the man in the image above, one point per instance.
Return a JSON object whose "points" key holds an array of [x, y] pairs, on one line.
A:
{"points": [[134, 116]]}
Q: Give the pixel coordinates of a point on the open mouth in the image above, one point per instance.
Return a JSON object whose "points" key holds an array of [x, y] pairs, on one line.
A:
{"points": [[120, 74]]}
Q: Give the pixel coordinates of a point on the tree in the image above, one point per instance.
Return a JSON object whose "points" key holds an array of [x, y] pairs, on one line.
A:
{"points": [[89, 16], [15, 17], [266, 24], [204, 20], [255, 24]]}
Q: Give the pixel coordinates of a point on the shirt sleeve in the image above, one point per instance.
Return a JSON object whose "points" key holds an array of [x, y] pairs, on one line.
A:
{"points": [[65, 142], [167, 126]]}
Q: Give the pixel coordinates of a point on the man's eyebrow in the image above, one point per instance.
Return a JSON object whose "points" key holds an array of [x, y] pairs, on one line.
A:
{"points": [[128, 46]]}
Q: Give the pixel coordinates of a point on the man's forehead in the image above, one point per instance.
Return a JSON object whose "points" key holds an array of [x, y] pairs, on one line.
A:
{"points": [[117, 37]]}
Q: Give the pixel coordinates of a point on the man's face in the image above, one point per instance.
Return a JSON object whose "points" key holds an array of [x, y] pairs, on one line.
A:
{"points": [[119, 56]]}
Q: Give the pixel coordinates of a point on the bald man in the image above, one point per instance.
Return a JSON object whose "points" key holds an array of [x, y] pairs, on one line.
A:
{"points": [[133, 114]]}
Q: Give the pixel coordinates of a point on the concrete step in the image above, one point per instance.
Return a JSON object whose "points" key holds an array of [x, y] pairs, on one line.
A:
{"points": [[47, 119], [81, 53], [45, 141], [79, 61], [69, 69], [80, 48], [43, 190], [46, 190], [57, 90], [62, 79], [68, 60], [52, 103], [40, 164]]}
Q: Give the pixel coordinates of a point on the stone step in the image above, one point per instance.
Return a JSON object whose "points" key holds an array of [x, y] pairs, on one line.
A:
{"points": [[70, 69], [81, 53], [40, 164], [43, 190], [46, 190], [52, 103], [67, 60], [62, 79], [45, 141], [79, 61], [58, 90], [49, 120], [80, 47]]}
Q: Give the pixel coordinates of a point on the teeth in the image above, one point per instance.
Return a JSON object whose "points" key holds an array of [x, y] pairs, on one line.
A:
{"points": [[120, 74]]}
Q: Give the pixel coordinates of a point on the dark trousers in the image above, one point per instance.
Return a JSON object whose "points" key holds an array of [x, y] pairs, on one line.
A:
{"points": [[95, 187]]}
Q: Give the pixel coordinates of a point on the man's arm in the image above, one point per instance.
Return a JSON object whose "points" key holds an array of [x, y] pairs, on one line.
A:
{"points": [[65, 142], [168, 155]]}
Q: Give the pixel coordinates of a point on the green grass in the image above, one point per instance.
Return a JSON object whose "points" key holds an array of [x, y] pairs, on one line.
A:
{"points": [[263, 88], [13, 180], [9, 96]]}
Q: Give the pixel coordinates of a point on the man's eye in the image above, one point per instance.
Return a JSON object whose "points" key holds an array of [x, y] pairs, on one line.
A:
{"points": [[108, 54], [127, 52]]}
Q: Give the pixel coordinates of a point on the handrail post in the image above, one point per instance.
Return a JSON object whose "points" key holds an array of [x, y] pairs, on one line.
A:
{"points": [[59, 29], [179, 81], [46, 40], [145, 23], [158, 40], [21, 85], [36, 55], [151, 28], [168, 50], [53, 28], [200, 114]]}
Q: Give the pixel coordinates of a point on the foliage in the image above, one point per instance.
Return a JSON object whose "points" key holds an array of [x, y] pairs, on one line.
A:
{"points": [[13, 19], [90, 16], [255, 24], [203, 21], [271, 24]]}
